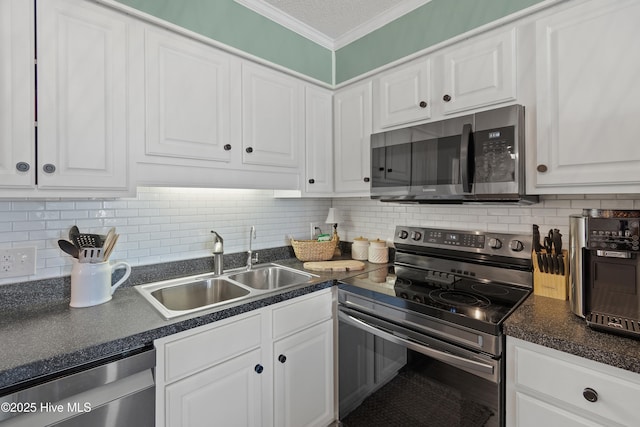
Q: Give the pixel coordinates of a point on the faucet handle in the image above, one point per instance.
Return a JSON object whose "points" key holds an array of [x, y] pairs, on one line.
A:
{"points": [[218, 245]]}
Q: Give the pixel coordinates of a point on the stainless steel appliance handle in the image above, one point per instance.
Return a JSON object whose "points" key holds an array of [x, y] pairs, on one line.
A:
{"points": [[482, 369], [465, 142]]}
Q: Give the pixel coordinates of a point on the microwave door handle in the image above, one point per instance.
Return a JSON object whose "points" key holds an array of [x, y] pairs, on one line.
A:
{"points": [[465, 158]]}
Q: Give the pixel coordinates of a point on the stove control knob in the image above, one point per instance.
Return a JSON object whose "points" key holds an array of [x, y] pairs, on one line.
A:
{"points": [[516, 245], [416, 235], [402, 234], [495, 243]]}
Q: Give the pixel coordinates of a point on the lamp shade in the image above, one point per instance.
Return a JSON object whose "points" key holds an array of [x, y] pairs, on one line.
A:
{"points": [[333, 217]]}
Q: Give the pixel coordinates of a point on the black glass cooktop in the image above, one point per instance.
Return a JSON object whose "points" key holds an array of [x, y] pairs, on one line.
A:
{"points": [[458, 299]]}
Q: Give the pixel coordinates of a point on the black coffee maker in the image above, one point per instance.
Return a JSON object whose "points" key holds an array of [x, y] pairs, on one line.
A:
{"points": [[604, 278]]}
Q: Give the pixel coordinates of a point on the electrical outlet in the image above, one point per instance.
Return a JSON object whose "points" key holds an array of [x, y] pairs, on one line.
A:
{"points": [[314, 230], [17, 262]]}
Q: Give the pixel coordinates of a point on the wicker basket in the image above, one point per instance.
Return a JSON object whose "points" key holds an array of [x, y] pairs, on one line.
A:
{"points": [[312, 250]]}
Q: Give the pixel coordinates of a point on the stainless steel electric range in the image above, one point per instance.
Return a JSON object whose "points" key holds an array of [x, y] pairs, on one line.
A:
{"points": [[439, 310]]}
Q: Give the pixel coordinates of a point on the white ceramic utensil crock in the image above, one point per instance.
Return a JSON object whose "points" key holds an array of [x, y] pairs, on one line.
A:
{"points": [[91, 283]]}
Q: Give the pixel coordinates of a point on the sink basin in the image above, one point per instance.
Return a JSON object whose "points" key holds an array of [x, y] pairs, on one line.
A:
{"points": [[198, 293], [186, 295], [270, 277]]}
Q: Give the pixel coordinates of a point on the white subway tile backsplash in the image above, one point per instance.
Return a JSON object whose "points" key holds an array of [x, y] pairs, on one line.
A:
{"points": [[551, 212], [169, 224], [158, 225]]}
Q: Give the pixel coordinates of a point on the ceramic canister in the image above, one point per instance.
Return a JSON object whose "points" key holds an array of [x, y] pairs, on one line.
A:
{"points": [[360, 248], [378, 252]]}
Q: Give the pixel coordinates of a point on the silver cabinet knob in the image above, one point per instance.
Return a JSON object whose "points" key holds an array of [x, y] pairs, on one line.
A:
{"points": [[23, 166], [49, 168]]}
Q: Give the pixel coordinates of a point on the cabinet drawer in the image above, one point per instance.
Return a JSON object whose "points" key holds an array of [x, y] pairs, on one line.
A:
{"points": [[193, 353], [302, 313], [564, 377]]}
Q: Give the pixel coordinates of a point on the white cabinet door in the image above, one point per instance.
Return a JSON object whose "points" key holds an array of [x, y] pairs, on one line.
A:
{"points": [[303, 383], [228, 394], [480, 72], [588, 99], [82, 96], [548, 385], [188, 108], [17, 94], [532, 412], [403, 95], [319, 142], [352, 139], [272, 117]]}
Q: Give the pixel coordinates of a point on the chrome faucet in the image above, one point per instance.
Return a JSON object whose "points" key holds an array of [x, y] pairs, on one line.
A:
{"points": [[250, 257], [218, 252]]}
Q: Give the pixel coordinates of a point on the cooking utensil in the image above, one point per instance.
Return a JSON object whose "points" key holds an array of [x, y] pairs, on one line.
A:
{"points": [[68, 247], [108, 248], [536, 239], [74, 231], [91, 255], [85, 240]]}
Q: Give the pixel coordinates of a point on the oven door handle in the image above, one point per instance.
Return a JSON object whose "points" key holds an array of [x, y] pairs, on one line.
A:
{"points": [[481, 369]]}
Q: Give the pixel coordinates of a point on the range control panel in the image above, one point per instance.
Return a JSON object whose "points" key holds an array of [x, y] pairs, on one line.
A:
{"points": [[511, 245], [613, 234]]}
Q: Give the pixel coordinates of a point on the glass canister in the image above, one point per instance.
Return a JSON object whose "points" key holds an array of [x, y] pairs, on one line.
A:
{"points": [[378, 252], [360, 248]]}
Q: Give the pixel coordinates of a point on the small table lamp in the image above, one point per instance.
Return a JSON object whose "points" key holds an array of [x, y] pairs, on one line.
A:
{"points": [[333, 218]]}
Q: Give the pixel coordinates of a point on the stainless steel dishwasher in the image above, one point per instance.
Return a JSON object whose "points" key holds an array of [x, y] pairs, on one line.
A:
{"points": [[118, 392]]}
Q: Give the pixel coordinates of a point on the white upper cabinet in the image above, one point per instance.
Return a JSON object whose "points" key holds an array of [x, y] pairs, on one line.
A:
{"points": [[471, 74], [352, 139], [318, 142], [17, 94], [188, 105], [479, 72], [85, 118], [272, 117], [403, 95], [588, 99], [83, 89]]}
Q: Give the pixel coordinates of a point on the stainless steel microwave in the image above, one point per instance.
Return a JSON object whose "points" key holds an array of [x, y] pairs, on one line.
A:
{"points": [[473, 158]]}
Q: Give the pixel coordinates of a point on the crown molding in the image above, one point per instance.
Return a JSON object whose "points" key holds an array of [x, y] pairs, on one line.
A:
{"points": [[269, 11], [378, 22]]}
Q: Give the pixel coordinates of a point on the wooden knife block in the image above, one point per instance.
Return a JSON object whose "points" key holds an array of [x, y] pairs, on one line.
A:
{"points": [[548, 284]]}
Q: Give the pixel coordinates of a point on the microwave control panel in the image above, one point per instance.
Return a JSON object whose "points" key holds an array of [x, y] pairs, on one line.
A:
{"points": [[613, 234]]}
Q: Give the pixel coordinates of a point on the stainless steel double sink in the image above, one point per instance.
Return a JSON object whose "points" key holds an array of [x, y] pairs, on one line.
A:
{"points": [[178, 297]]}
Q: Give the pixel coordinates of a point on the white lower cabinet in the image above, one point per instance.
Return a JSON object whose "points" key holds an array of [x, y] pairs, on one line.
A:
{"points": [[303, 359], [269, 367], [551, 388], [229, 391]]}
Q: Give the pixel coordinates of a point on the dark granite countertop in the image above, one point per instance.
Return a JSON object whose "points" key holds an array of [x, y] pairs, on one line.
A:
{"points": [[549, 322], [45, 337]]}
